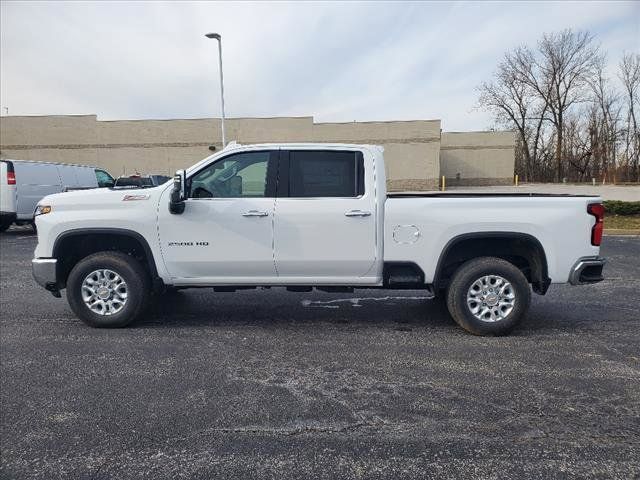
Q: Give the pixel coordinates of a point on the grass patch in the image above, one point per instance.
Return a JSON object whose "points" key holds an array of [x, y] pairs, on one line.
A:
{"points": [[622, 222]]}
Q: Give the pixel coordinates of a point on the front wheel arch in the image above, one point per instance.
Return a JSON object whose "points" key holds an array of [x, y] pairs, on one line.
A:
{"points": [[74, 245]]}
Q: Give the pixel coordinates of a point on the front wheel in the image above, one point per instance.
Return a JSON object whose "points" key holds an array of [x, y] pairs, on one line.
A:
{"points": [[108, 289], [488, 296]]}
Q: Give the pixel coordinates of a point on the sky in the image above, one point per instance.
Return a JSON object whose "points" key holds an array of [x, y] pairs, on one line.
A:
{"points": [[335, 61]]}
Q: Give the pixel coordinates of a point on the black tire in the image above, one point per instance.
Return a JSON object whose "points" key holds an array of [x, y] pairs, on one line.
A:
{"points": [[464, 278], [4, 226], [439, 300], [440, 296], [131, 271]]}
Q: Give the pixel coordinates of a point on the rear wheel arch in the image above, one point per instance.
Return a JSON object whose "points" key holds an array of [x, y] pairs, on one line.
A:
{"points": [[72, 246], [523, 250]]}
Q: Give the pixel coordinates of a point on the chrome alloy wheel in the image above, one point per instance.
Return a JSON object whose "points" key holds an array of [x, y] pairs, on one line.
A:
{"points": [[104, 292], [491, 298]]}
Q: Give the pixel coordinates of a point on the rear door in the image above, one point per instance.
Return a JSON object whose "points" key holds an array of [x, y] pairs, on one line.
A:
{"points": [[34, 181], [7, 188], [325, 220]]}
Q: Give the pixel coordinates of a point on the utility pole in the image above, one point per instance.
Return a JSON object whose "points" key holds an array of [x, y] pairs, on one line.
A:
{"points": [[218, 37]]}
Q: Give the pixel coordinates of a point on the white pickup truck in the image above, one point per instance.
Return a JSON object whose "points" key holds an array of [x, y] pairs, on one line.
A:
{"points": [[305, 216]]}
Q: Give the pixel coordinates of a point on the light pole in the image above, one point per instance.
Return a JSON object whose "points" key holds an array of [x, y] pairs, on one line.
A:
{"points": [[219, 39]]}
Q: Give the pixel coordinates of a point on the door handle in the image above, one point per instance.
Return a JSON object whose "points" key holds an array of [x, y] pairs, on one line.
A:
{"points": [[255, 213], [357, 213]]}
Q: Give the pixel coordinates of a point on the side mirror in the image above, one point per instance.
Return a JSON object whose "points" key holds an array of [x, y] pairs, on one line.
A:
{"points": [[179, 193]]}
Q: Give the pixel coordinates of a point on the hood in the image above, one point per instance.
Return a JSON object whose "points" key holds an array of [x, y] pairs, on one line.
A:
{"points": [[102, 197]]}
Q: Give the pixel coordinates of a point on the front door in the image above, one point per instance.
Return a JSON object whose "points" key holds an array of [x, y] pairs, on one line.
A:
{"points": [[325, 223], [226, 230]]}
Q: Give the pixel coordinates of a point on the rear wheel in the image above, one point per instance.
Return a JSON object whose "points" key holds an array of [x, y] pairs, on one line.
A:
{"points": [[108, 289], [4, 226], [488, 296]]}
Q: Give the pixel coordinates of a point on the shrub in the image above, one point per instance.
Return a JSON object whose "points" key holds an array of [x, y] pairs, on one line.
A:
{"points": [[617, 207]]}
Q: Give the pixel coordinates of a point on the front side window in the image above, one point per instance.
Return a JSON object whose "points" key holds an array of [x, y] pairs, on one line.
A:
{"points": [[104, 179], [237, 176], [325, 174]]}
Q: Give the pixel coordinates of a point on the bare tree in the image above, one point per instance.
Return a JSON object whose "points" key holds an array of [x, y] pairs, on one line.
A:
{"points": [[630, 77], [515, 105], [569, 119], [577, 148], [604, 120], [560, 74]]}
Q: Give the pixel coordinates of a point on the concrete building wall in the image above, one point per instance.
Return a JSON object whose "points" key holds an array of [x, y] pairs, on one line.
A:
{"points": [[413, 150], [416, 166], [477, 158], [48, 130]]}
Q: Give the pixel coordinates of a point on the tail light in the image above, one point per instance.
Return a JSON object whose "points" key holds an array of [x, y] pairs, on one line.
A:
{"points": [[11, 174], [597, 210]]}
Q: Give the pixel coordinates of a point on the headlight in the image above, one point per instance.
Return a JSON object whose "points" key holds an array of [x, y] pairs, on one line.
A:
{"points": [[42, 210]]}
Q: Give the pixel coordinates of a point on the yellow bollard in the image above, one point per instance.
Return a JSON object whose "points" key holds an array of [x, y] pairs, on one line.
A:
{"points": [[516, 180], [444, 183]]}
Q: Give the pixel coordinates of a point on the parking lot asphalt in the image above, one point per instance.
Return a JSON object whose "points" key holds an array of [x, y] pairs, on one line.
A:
{"points": [[273, 384]]}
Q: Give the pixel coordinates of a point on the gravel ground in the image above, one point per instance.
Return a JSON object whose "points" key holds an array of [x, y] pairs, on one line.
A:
{"points": [[271, 384]]}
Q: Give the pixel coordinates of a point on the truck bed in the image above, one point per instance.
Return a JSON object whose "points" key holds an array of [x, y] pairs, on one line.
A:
{"points": [[425, 222]]}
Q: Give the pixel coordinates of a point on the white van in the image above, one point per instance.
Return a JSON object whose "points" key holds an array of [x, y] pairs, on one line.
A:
{"points": [[24, 183]]}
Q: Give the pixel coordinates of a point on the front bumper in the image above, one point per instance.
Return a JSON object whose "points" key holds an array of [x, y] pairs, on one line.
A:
{"points": [[44, 272], [587, 270]]}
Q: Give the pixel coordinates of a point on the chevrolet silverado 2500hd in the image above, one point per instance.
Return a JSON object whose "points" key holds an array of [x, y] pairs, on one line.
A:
{"points": [[308, 216]]}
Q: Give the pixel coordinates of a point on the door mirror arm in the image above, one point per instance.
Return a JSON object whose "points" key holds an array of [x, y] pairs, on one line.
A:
{"points": [[179, 193]]}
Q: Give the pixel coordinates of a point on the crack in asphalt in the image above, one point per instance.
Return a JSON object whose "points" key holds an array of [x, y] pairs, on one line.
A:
{"points": [[355, 302], [293, 431]]}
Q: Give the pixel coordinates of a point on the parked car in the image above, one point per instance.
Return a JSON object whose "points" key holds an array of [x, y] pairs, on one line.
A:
{"points": [[141, 181], [24, 183], [133, 181], [160, 179], [306, 216]]}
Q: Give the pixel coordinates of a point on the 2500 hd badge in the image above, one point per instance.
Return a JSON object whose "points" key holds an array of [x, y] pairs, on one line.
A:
{"points": [[188, 244]]}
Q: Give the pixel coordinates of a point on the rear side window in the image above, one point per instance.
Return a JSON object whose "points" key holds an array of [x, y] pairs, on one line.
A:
{"points": [[326, 174]]}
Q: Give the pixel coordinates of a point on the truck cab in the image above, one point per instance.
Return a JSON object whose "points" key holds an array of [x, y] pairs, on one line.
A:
{"points": [[278, 216]]}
